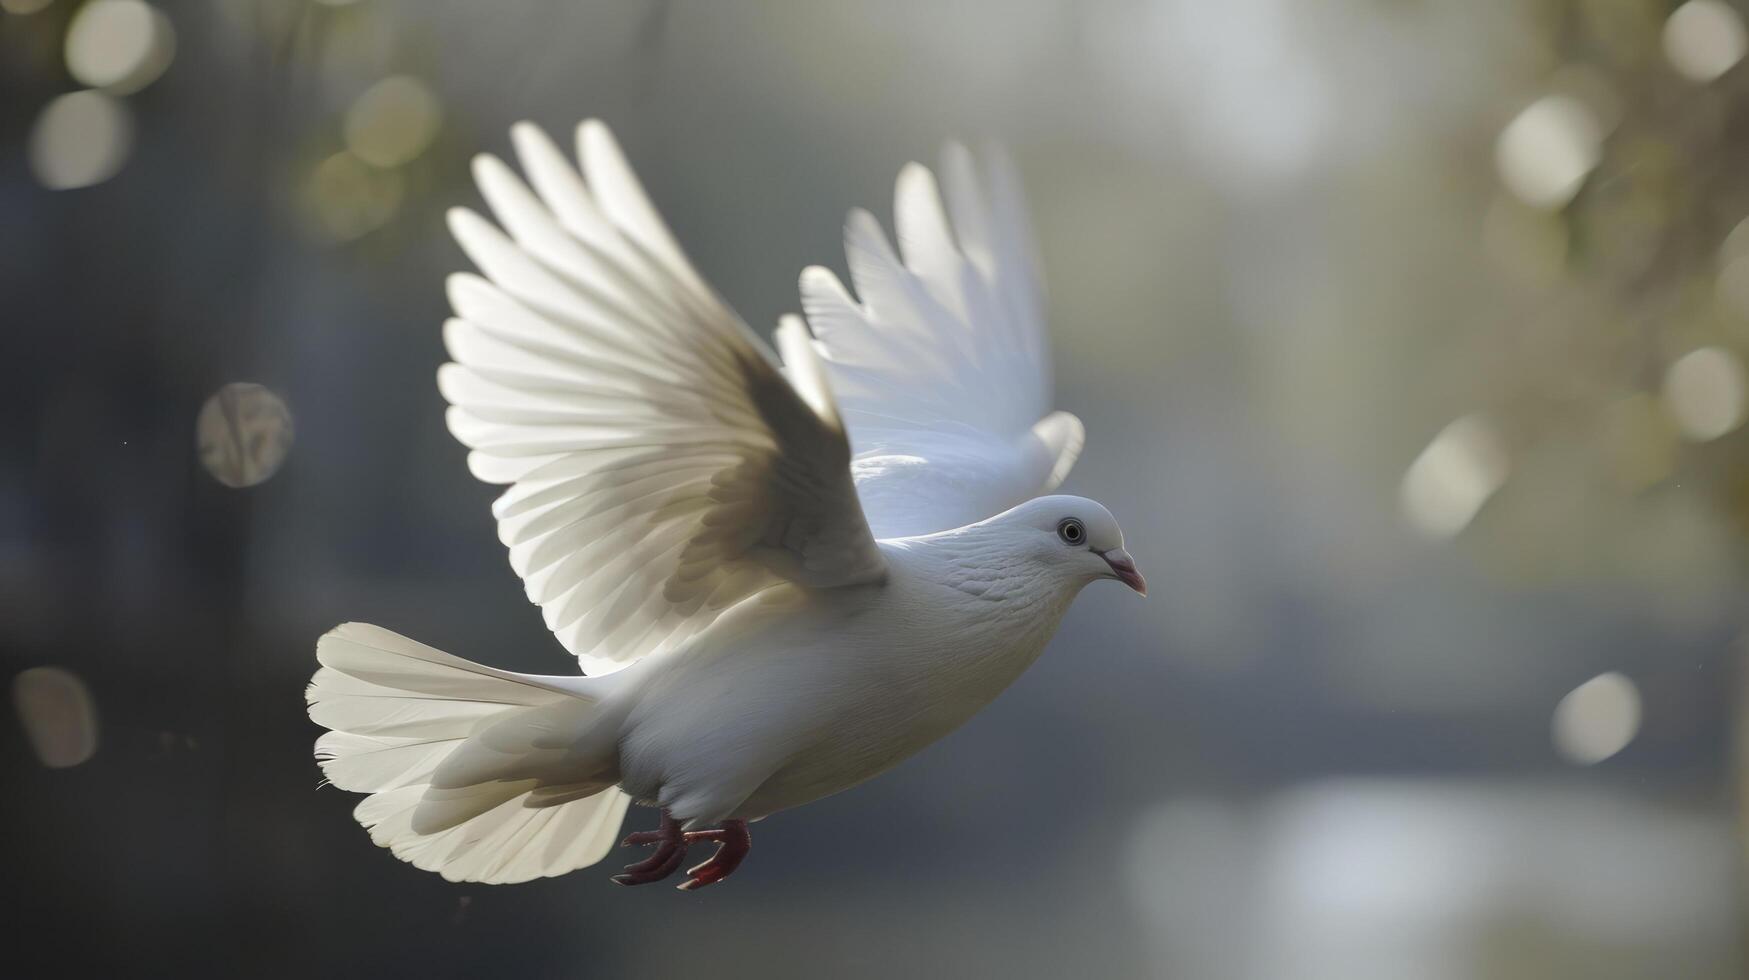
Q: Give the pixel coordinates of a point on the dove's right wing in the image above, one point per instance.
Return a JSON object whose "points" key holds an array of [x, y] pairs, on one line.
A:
{"points": [[942, 363], [662, 468]]}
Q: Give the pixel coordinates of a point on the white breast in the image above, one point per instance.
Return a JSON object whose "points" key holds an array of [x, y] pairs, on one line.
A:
{"points": [[835, 689]]}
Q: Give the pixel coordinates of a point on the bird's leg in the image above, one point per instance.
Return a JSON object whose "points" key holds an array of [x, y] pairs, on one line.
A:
{"points": [[670, 851], [733, 842]]}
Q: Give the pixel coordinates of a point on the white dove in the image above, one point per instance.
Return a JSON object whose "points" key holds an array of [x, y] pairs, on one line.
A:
{"points": [[765, 618]]}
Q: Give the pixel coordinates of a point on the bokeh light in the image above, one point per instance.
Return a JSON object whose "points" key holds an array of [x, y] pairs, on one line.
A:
{"points": [[1453, 477], [243, 433], [1545, 153], [59, 719], [393, 121], [24, 6], [1704, 390], [346, 198], [1703, 39], [80, 139], [1597, 719], [120, 46]]}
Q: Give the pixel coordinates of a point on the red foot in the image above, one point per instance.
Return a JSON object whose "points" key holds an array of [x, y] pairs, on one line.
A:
{"points": [[670, 852], [733, 842]]}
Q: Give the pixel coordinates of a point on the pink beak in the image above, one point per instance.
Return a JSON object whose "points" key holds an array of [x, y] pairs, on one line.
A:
{"points": [[1123, 568]]}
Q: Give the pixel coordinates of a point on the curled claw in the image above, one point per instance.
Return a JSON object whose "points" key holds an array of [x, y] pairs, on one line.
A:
{"points": [[670, 852], [657, 867], [733, 843], [732, 840]]}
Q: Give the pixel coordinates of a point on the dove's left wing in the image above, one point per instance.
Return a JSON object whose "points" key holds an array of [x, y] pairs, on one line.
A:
{"points": [[662, 468], [942, 363]]}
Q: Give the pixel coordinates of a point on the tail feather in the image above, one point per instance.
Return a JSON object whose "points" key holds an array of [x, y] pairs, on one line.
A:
{"points": [[508, 843], [522, 797], [373, 763], [346, 704]]}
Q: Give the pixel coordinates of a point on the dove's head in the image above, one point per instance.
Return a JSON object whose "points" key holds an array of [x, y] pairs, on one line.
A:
{"points": [[1075, 535]]}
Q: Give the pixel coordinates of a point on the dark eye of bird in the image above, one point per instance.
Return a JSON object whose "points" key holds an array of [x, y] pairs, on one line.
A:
{"points": [[1071, 531]]}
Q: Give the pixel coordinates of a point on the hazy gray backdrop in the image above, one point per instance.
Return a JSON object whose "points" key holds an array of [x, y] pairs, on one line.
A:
{"points": [[1288, 245]]}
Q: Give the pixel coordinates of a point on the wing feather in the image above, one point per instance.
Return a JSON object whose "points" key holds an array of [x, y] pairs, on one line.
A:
{"points": [[940, 362], [662, 468]]}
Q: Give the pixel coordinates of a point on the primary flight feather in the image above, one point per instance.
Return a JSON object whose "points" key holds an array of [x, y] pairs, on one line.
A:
{"points": [[781, 575]]}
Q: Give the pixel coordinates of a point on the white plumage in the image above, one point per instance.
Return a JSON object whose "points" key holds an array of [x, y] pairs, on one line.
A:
{"points": [[943, 368], [781, 576]]}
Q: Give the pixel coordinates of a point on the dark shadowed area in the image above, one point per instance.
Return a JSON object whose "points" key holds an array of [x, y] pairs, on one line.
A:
{"points": [[1409, 337]]}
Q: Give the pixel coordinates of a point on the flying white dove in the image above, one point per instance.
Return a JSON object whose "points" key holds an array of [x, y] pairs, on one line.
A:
{"points": [[781, 578]]}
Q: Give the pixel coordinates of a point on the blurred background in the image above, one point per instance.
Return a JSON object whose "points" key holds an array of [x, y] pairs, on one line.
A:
{"points": [[1410, 340]]}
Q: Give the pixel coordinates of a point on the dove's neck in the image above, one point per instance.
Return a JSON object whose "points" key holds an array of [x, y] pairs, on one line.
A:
{"points": [[989, 575]]}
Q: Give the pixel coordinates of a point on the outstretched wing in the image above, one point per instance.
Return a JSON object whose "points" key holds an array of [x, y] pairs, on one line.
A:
{"points": [[662, 468], [941, 363]]}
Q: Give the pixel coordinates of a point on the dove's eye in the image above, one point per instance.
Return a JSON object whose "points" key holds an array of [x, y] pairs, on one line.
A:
{"points": [[1071, 531]]}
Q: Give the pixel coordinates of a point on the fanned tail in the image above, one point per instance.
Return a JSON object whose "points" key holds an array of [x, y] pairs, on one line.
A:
{"points": [[465, 773]]}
